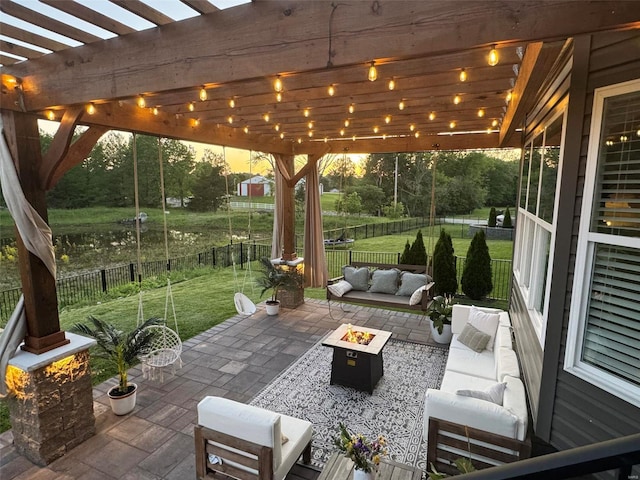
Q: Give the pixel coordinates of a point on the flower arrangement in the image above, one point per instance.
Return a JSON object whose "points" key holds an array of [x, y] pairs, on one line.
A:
{"points": [[365, 454], [440, 312]]}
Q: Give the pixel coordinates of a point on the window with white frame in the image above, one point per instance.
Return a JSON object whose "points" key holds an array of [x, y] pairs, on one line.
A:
{"points": [[536, 219], [603, 343]]}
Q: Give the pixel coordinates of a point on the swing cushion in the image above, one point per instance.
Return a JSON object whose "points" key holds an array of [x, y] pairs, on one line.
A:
{"points": [[340, 288], [410, 282], [358, 277]]}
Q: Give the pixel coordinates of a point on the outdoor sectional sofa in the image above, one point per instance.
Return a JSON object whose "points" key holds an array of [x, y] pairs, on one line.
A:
{"points": [[383, 285], [497, 431]]}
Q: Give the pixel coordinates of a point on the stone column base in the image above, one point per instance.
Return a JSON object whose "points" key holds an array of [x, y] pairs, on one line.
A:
{"points": [[51, 400]]}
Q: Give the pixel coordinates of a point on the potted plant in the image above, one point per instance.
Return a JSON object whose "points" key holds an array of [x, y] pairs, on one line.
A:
{"points": [[122, 350], [274, 279], [365, 454], [440, 315]]}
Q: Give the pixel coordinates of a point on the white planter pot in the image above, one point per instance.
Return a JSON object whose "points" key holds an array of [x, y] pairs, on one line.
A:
{"points": [[444, 337], [123, 404], [273, 307], [362, 475]]}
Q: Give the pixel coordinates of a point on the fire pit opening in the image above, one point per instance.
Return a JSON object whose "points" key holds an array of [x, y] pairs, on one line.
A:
{"points": [[355, 336]]}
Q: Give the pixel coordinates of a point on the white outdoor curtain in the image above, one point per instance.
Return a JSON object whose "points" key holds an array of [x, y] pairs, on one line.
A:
{"points": [[36, 236], [277, 240], [315, 264]]}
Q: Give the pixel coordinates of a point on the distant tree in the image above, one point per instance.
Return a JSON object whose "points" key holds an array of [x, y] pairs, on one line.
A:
{"points": [[352, 203], [179, 162], [418, 250], [405, 258], [444, 266], [492, 217], [208, 189], [372, 198], [476, 277], [507, 222], [393, 211]]}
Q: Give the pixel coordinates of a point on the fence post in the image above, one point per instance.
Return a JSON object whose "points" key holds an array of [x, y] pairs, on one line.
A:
{"points": [[132, 274], [241, 259], [213, 256], [228, 255], [398, 262], [350, 256], [199, 259], [103, 278]]}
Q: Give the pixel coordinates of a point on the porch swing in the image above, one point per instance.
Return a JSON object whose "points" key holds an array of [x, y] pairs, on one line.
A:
{"points": [[166, 347], [244, 305]]}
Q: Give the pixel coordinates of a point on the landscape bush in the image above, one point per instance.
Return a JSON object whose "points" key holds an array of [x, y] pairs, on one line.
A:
{"points": [[476, 276], [492, 217], [444, 266], [507, 222]]}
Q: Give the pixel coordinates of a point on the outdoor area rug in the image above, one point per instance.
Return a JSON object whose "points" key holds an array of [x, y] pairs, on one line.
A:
{"points": [[394, 410]]}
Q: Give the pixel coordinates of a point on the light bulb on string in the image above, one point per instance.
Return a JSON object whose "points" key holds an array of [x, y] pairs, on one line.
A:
{"points": [[141, 101], [230, 119], [384, 136], [203, 94], [278, 97], [401, 105], [342, 132], [376, 129], [432, 116], [481, 112], [387, 119], [346, 122], [452, 124], [326, 139], [310, 133], [277, 84], [412, 127], [155, 110], [277, 127], [232, 103], [196, 122], [306, 112], [463, 75], [282, 136], [392, 84], [91, 108], [352, 108], [50, 115], [331, 90], [457, 100], [372, 74], [494, 58], [509, 96], [191, 106], [266, 117], [310, 124], [246, 129], [494, 123], [299, 140], [353, 138], [417, 134]]}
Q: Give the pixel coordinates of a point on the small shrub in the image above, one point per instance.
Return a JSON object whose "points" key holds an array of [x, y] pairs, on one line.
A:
{"points": [[492, 217], [507, 223], [418, 251], [476, 277], [405, 258]]}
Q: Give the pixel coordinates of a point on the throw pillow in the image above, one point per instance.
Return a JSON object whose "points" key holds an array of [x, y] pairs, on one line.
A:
{"points": [[384, 281], [357, 277], [416, 296], [473, 338], [340, 288], [494, 393], [410, 282], [485, 322]]}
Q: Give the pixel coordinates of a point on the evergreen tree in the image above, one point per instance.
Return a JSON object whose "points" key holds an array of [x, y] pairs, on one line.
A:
{"points": [[444, 266], [418, 251], [507, 223], [476, 277], [492, 217], [405, 258]]}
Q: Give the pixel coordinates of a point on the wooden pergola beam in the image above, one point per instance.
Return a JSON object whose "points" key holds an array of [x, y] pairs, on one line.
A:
{"points": [[265, 38]]}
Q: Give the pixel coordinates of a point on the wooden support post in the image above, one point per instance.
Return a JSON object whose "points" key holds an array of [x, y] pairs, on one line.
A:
{"points": [[38, 285], [289, 214]]}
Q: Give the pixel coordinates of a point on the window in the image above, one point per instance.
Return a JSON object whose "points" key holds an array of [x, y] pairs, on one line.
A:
{"points": [[536, 217], [603, 343]]}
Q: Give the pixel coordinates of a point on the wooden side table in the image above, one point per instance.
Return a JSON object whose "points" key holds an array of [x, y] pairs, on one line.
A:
{"points": [[339, 467]]}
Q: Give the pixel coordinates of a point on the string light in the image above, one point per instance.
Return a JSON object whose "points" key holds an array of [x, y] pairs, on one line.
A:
{"points": [[91, 109], [232, 103], [299, 140], [493, 56], [623, 138], [352, 108], [509, 96], [392, 84], [306, 112], [609, 143], [432, 116], [372, 75], [310, 124], [384, 136], [342, 132], [279, 97], [50, 115], [326, 139], [331, 90], [203, 94], [412, 127], [266, 117], [230, 119], [277, 84], [277, 127], [282, 136], [353, 138], [457, 99], [489, 130], [417, 134], [191, 106], [452, 125], [310, 133], [196, 122], [481, 112], [463, 75], [155, 110], [401, 105], [141, 102], [387, 119], [346, 122], [494, 123], [246, 129], [376, 129]]}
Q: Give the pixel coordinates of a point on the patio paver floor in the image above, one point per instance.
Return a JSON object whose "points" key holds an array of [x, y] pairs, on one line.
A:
{"points": [[234, 359]]}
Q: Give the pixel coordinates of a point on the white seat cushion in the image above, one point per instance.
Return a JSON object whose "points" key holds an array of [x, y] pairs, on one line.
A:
{"points": [[454, 381], [464, 360], [299, 433]]}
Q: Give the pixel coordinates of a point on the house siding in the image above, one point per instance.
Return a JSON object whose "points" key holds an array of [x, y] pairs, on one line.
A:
{"points": [[574, 412], [568, 412]]}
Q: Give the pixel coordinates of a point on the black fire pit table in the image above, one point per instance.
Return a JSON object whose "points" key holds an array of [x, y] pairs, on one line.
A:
{"points": [[357, 365]]}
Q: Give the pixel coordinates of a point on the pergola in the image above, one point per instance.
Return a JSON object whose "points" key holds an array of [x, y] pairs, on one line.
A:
{"points": [[283, 77]]}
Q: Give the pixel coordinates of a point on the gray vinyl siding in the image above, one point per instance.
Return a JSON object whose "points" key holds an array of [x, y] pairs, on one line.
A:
{"points": [[581, 413]]}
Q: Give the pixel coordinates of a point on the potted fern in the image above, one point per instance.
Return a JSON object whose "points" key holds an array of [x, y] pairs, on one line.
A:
{"points": [[122, 350], [440, 315]]}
